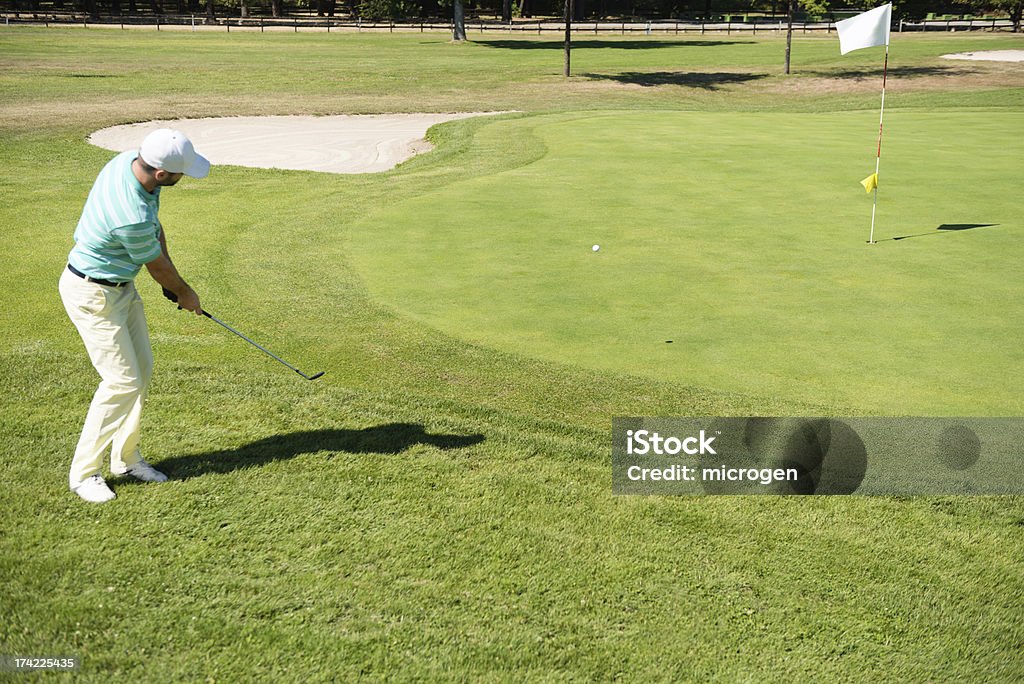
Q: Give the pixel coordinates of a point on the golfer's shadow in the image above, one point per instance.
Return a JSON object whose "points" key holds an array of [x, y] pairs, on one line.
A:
{"points": [[393, 438]]}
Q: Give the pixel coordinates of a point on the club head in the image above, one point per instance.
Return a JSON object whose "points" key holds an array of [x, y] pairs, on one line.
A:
{"points": [[314, 377]]}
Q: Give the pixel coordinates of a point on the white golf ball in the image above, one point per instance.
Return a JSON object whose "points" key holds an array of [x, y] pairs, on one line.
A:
{"points": [[596, 247]]}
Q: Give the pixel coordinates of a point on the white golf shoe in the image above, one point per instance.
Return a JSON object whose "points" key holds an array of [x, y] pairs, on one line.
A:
{"points": [[142, 471], [93, 489]]}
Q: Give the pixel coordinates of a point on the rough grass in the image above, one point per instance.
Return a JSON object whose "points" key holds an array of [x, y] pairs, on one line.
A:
{"points": [[430, 509]]}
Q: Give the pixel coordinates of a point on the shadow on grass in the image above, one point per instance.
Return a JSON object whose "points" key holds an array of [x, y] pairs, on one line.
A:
{"points": [[393, 438], [705, 81], [944, 229], [616, 44], [894, 72]]}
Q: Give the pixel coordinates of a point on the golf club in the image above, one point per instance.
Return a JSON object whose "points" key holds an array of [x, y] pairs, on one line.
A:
{"points": [[170, 295]]}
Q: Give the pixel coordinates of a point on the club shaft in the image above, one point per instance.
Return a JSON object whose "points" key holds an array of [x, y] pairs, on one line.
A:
{"points": [[255, 344]]}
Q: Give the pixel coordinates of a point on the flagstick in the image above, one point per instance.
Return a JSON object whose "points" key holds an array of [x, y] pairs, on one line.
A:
{"points": [[878, 156]]}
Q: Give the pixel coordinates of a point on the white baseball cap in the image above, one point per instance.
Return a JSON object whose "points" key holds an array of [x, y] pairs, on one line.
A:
{"points": [[172, 151]]}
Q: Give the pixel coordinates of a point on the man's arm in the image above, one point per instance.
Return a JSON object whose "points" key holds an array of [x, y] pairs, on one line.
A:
{"points": [[164, 272]]}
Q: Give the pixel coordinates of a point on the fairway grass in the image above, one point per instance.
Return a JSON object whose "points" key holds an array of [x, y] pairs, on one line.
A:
{"points": [[438, 506]]}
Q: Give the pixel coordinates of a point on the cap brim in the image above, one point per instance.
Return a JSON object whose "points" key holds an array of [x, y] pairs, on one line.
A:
{"points": [[200, 167]]}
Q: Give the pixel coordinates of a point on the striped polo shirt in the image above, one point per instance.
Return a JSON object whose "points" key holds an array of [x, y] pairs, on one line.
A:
{"points": [[119, 229]]}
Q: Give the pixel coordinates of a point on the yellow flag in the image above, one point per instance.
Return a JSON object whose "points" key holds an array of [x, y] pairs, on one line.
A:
{"points": [[870, 183]]}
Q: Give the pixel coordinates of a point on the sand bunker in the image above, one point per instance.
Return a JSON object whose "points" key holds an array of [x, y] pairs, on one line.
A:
{"points": [[990, 56], [332, 144]]}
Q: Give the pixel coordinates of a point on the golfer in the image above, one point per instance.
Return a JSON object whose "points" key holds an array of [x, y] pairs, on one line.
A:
{"points": [[119, 232]]}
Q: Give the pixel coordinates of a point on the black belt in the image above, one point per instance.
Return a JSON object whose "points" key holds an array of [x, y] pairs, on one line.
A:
{"points": [[98, 281]]}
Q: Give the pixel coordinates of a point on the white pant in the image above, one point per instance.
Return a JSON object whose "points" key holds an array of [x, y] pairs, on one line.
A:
{"points": [[112, 324]]}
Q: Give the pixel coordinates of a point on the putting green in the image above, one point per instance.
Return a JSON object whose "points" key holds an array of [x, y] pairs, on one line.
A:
{"points": [[733, 254]]}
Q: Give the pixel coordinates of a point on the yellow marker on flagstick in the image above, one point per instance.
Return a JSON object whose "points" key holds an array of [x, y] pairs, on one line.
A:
{"points": [[870, 183]]}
